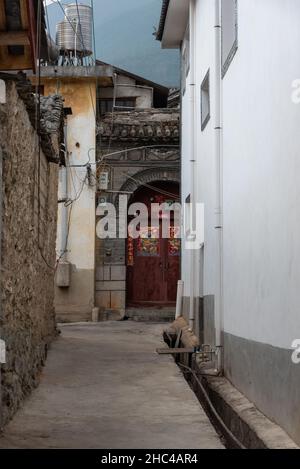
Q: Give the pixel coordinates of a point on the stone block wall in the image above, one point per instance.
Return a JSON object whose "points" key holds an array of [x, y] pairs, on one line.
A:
{"points": [[27, 285]]}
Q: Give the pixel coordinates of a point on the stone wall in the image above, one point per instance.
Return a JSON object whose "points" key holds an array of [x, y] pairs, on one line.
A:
{"points": [[27, 313]]}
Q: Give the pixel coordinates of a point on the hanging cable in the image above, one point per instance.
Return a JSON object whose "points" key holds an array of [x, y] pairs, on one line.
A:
{"points": [[80, 26], [226, 431], [122, 151]]}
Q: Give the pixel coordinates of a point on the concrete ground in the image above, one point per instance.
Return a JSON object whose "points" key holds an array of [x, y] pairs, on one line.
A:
{"points": [[104, 386]]}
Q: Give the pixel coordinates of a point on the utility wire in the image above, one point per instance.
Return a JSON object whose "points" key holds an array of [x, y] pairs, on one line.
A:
{"points": [[38, 127], [123, 151], [80, 26], [82, 44], [69, 21]]}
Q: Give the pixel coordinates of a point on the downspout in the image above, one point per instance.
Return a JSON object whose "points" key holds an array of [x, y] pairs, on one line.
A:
{"points": [[193, 157], [219, 185], [64, 209]]}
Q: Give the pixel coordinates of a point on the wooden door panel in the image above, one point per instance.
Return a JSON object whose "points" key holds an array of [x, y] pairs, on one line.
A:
{"points": [[153, 266], [146, 278], [147, 281]]}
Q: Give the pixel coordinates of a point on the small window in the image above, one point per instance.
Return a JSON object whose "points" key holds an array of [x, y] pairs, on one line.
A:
{"points": [[229, 33], [205, 102]]}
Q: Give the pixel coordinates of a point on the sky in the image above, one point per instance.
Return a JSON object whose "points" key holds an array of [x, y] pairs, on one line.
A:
{"points": [[124, 37]]}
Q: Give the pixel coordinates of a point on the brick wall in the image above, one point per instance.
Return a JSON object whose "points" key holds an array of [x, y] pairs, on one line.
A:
{"points": [[27, 313]]}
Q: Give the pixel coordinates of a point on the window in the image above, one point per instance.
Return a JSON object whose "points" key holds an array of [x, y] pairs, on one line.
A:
{"points": [[122, 104], [229, 33], [205, 102]]}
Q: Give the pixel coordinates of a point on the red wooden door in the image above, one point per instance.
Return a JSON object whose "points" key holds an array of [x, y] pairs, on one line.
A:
{"points": [[153, 270]]}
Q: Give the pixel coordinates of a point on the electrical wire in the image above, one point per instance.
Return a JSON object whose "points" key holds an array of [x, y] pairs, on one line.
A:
{"points": [[83, 46], [119, 152], [149, 186], [80, 27], [58, 2], [38, 128], [48, 28]]}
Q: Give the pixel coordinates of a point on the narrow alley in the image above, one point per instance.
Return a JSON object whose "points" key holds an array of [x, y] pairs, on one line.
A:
{"points": [[149, 229], [104, 386]]}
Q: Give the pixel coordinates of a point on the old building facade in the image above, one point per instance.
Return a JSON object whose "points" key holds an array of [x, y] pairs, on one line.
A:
{"points": [[75, 276], [109, 111], [140, 160]]}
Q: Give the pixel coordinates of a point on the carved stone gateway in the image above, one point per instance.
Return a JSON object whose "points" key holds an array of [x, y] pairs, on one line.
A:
{"points": [[136, 148]]}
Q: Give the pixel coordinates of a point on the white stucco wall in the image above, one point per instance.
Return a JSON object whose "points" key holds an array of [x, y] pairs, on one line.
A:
{"points": [[262, 176], [204, 151], [261, 171]]}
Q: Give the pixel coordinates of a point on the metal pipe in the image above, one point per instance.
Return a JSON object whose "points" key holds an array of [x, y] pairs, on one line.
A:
{"points": [[193, 157], [179, 299], [219, 184], [227, 432], [64, 208]]}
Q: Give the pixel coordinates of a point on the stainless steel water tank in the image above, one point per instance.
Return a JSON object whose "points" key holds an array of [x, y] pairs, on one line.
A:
{"points": [[75, 32]]}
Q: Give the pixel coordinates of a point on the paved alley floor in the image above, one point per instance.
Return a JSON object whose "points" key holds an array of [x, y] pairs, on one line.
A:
{"points": [[104, 386]]}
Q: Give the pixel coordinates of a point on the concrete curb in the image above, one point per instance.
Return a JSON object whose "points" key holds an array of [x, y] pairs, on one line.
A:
{"points": [[245, 421], [252, 428]]}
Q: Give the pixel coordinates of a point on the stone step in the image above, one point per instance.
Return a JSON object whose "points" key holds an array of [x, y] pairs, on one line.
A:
{"points": [[151, 314]]}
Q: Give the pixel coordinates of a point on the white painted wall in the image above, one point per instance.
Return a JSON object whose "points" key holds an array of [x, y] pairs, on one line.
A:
{"points": [[261, 171], [204, 151], [262, 176], [81, 241]]}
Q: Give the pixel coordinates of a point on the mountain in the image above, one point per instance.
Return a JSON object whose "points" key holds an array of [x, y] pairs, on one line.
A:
{"points": [[124, 38]]}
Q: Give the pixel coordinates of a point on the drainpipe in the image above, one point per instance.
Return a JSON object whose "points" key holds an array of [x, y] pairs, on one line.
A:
{"points": [[219, 184], [64, 209], [179, 299], [193, 157]]}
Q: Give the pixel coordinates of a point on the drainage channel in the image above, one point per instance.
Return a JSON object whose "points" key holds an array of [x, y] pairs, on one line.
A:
{"points": [[196, 382]]}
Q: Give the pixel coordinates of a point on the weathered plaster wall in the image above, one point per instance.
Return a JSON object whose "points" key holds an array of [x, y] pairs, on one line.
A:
{"points": [[77, 301], [126, 88], [27, 317]]}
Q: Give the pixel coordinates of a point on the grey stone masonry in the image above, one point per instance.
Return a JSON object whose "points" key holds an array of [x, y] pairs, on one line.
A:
{"points": [[29, 196]]}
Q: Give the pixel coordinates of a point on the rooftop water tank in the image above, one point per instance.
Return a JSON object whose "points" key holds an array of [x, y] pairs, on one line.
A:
{"points": [[75, 32]]}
